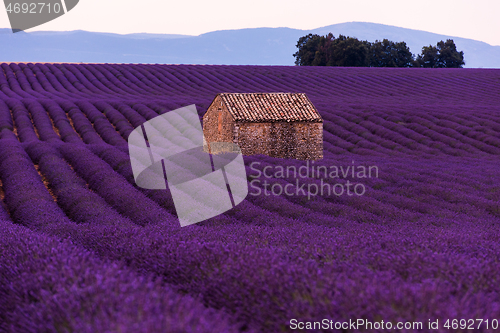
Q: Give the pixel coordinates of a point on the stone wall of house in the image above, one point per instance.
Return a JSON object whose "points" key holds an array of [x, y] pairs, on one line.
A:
{"points": [[300, 140], [218, 124]]}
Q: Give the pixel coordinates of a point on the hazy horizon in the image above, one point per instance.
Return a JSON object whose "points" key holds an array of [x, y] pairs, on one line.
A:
{"points": [[196, 35], [459, 18]]}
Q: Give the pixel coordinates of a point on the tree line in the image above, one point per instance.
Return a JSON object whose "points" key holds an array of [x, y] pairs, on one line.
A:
{"points": [[316, 50]]}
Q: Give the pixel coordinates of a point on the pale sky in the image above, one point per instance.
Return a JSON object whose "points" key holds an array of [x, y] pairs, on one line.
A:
{"points": [[478, 19]]}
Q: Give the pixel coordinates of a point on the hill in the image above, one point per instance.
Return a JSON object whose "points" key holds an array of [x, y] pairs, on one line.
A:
{"points": [[260, 46]]}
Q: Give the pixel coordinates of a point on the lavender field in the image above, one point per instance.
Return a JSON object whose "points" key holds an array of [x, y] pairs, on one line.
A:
{"points": [[83, 249]]}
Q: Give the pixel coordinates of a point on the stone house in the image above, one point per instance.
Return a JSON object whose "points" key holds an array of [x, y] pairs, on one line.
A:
{"points": [[283, 125]]}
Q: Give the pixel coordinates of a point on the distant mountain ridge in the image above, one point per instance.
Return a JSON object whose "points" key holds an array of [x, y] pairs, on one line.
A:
{"points": [[256, 46]]}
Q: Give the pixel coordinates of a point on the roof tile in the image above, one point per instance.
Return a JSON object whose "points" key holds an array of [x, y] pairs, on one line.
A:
{"points": [[270, 107]]}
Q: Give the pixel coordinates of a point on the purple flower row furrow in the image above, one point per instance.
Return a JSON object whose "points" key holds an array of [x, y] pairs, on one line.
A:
{"points": [[101, 124], [132, 115], [363, 147], [13, 82], [120, 162], [223, 269], [22, 120], [247, 259], [69, 85], [42, 121], [39, 82], [5, 117], [421, 243], [26, 197], [81, 123], [267, 286], [25, 83], [113, 79], [117, 192], [119, 121], [354, 81], [53, 80], [144, 111], [138, 86], [80, 81], [78, 202], [61, 122], [48, 285], [372, 204]]}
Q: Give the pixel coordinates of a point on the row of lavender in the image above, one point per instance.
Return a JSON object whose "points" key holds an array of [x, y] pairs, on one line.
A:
{"points": [[345, 128], [49, 285], [94, 128], [132, 82], [260, 264], [424, 235], [384, 196]]}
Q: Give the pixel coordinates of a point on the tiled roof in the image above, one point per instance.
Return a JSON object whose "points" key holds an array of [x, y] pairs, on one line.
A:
{"points": [[270, 107]]}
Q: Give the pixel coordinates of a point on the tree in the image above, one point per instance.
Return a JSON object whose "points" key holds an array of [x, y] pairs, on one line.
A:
{"points": [[443, 55], [348, 52], [323, 52], [308, 46], [390, 54], [315, 50], [449, 57], [429, 57]]}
